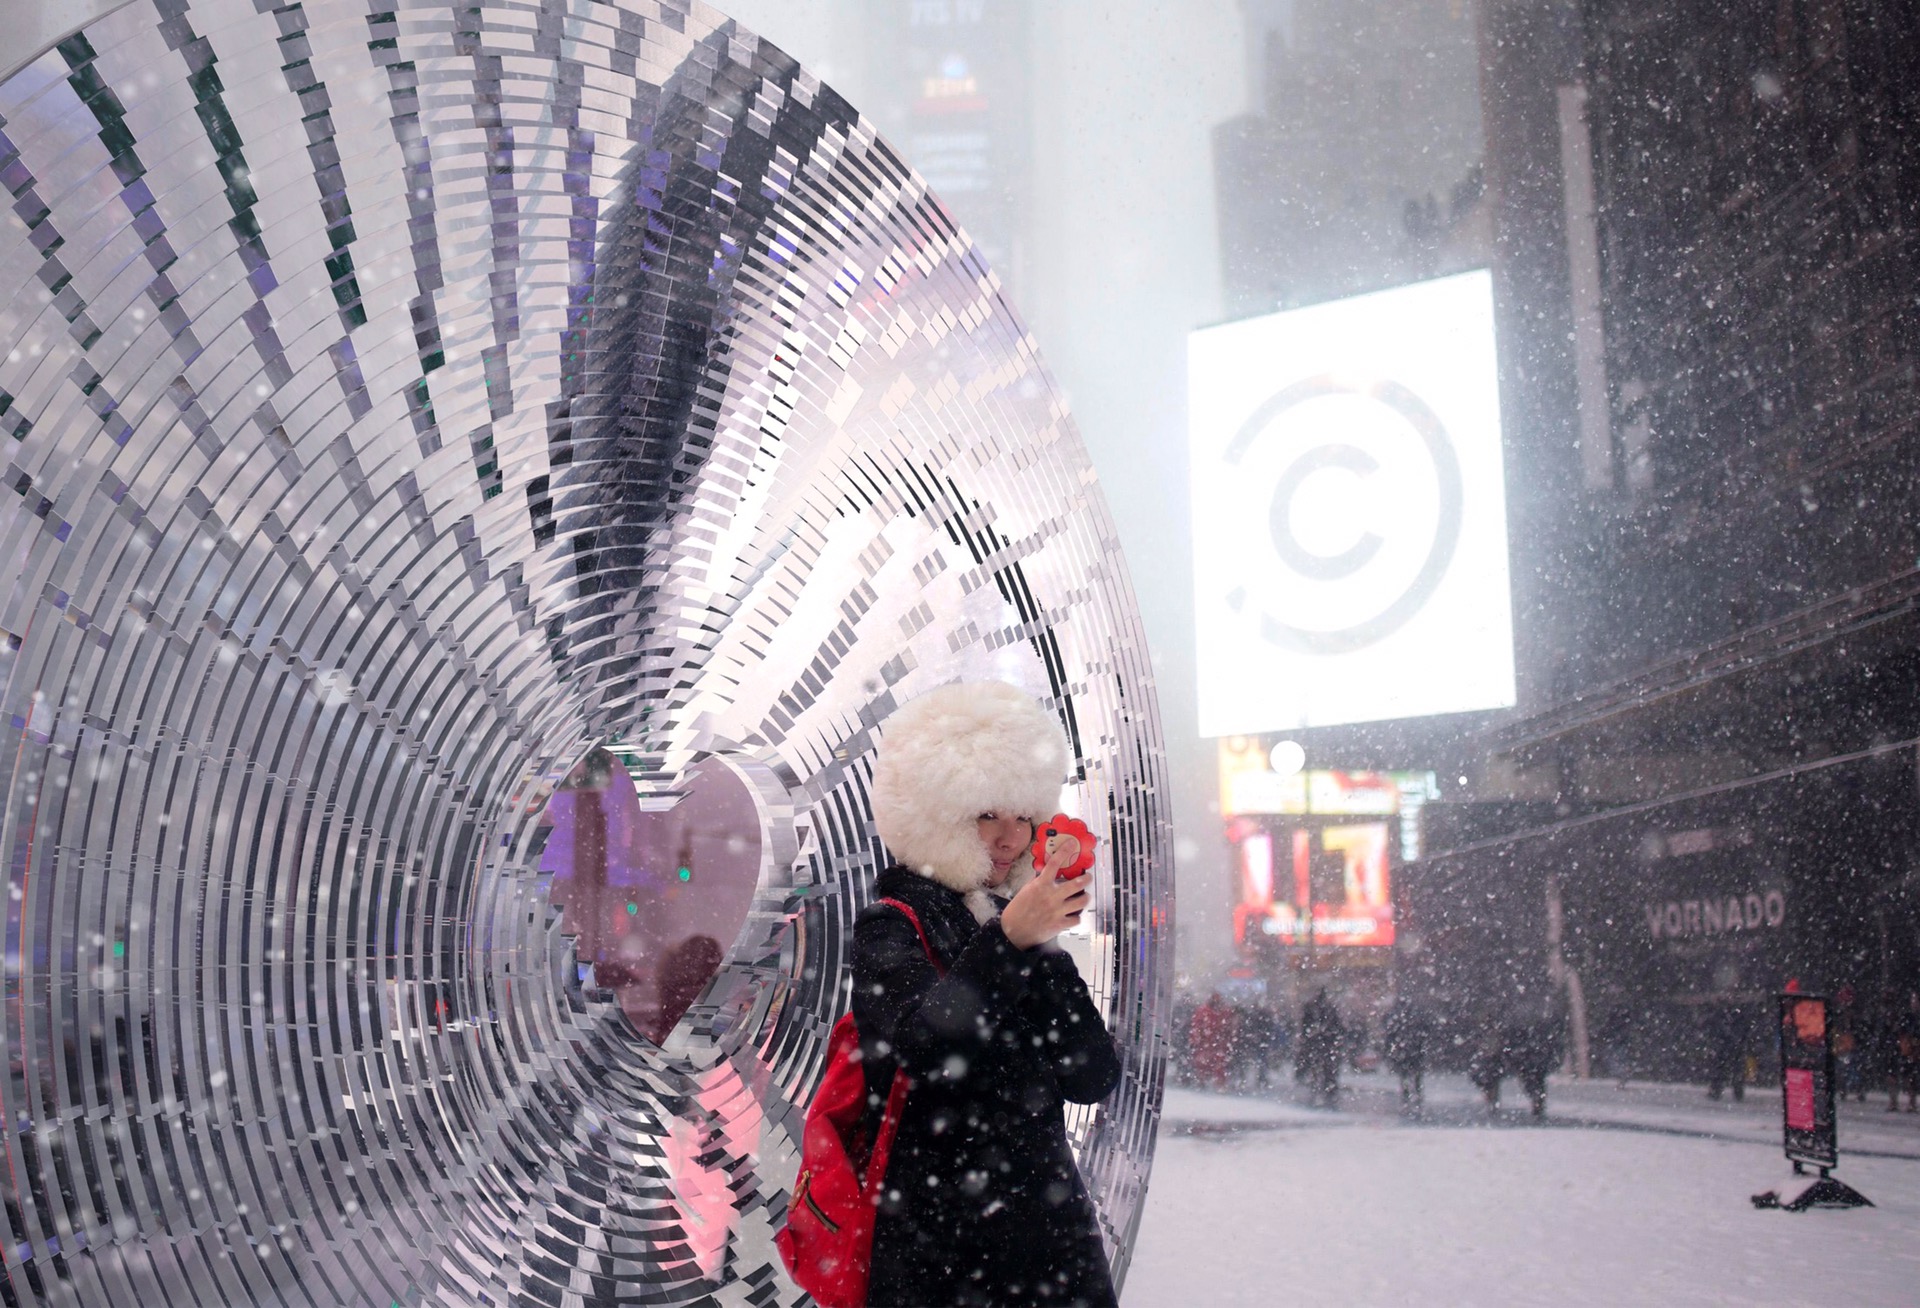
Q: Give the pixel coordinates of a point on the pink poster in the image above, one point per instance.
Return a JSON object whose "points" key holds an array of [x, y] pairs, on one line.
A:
{"points": [[1799, 1099]]}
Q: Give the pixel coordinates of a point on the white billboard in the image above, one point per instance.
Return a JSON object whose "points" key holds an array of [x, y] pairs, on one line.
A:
{"points": [[1349, 512]]}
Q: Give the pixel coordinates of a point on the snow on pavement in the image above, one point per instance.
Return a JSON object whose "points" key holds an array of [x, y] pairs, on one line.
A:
{"points": [[1263, 1202], [1184, 1107]]}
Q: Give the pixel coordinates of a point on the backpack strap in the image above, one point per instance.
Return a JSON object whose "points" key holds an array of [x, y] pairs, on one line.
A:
{"points": [[920, 931]]}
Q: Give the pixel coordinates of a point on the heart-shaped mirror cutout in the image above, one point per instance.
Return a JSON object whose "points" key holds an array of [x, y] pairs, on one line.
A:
{"points": [[653, 892]]}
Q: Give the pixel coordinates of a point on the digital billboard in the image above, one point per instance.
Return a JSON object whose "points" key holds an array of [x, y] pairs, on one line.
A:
{"points": [[1349, 512], [1249, 786], [1307, 885]]}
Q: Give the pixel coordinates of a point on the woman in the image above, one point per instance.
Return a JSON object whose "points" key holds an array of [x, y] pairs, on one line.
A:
{"points": [[982, 1203]]}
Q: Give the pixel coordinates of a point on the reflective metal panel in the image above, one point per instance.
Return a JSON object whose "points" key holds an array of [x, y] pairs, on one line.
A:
{"points": [[400, 403]]}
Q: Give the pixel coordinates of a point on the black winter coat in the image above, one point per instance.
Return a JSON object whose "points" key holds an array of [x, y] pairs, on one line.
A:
{"points": [[982, 1202]]}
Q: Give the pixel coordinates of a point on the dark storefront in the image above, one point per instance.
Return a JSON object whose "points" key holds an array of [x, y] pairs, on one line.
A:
{"points": [[1677, 924]]}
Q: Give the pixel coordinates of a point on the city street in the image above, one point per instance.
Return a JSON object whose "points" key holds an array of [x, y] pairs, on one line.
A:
{"points": [[601, 597], [1621, 1195]]}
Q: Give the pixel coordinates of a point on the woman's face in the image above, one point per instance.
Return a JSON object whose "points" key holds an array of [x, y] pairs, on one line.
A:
{"points": [[1005, 837]]}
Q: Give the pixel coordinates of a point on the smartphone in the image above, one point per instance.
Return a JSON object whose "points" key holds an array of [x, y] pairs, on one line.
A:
{"points": [[1061, 827]]}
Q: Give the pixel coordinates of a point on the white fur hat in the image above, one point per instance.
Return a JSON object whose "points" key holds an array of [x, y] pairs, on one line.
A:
{"points": [[955, 753]]}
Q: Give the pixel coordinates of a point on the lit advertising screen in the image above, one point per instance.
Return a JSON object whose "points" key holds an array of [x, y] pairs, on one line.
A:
{"points": [[1324, 884], [1250, 787], [1349, 512]]}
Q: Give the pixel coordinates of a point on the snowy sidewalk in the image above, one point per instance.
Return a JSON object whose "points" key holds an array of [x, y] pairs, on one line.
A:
{"points": [[1866, 1129], [1621, 1196]]}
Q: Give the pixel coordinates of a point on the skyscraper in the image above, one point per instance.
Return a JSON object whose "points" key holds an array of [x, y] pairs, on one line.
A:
{"points": [[1359, 166], [950, 85]]}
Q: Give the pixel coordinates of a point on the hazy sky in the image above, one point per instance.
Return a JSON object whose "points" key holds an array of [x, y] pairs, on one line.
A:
{"points": [[1124, 262]]}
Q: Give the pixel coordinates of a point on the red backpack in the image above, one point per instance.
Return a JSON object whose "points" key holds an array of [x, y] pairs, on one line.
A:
{"points": [[827, 1243]]}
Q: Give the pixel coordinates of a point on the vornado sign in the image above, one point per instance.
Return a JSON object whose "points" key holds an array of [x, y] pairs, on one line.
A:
{"points": [[1682, 919]]}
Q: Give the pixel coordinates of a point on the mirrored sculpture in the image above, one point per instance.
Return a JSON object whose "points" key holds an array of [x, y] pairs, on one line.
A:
{"points": [[411, 412]]}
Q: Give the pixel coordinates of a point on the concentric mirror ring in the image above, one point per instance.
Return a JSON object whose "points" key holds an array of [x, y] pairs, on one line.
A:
{"points": [[400, 402]]}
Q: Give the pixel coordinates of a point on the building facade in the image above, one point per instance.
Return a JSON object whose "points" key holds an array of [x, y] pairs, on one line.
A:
{"points": [[1712, 305]]}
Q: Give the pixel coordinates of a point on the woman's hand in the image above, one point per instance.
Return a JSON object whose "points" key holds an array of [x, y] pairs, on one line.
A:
{"points": [[1046, 906]]}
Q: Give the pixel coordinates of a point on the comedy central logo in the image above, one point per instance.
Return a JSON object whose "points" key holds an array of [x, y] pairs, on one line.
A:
{"points": [[1358, 489]]}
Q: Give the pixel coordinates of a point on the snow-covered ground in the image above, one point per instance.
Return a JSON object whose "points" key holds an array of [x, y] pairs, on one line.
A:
{"points": [[1634, 1195]]}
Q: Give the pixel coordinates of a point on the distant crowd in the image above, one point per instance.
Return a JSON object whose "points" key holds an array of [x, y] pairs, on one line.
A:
{"points": [[1238, 1046], [1243, 1045]]}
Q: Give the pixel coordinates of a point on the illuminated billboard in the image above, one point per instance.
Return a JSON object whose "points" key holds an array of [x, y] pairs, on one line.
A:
{"points": [[1312, 885], [1250, 787], [1349, 512]]}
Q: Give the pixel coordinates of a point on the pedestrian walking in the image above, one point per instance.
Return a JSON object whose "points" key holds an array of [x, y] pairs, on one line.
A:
{"points": [[1487, 1065], [1242, 1049], [1903, 1055], [1407, 1033], [1211, 1040], [1849, 1053], [1322, 1037], [1262, 1036], [1533, 1049], [1727, 1032], [981, 1202]]}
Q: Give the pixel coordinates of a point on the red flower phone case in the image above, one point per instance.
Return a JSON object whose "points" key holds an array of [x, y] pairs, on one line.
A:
{"points": [[1061, 825]]}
